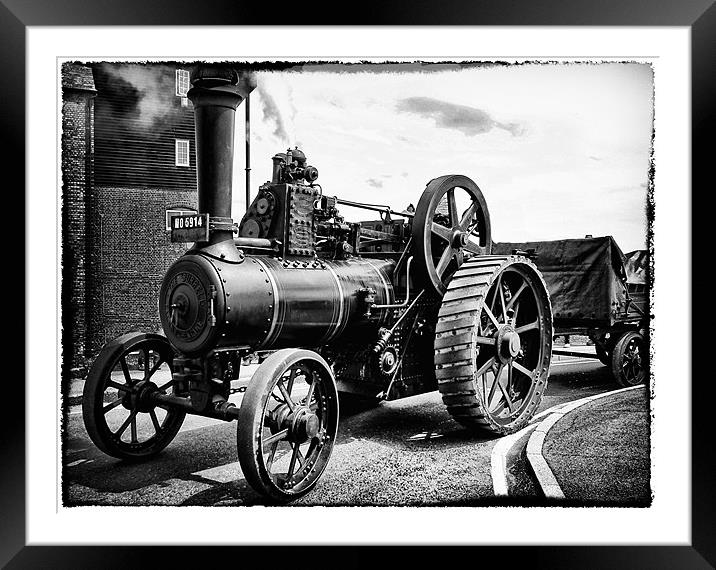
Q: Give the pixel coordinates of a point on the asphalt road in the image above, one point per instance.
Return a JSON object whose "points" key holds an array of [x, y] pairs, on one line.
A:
{"points": [[406, 452]]}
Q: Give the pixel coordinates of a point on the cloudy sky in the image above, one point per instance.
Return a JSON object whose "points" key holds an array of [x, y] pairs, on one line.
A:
{"points": [[559, 150]]}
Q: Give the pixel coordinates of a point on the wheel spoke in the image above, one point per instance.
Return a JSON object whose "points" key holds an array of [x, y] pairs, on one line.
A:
{"points": [[494, 293], [112, 405], [525, 371], [118, 386], [276, 437], [472, 247], [153, 369], [491, 316], [528, 327], [444, 261], [485, 340], [125, 425], [311, 389], [502, 299], [133, 431], [292, 464], [504, 392], [467, 216], [125, 370], [155, 421], [291, 378], [441, 231], [485, 367], [286, 395], [164, 386], [452, 207], [511, 302], [301, 458], [494, 385], [272, 454], [514, 315]]}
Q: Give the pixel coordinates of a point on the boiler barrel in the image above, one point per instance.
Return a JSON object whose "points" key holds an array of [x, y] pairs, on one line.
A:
{"points": [[263, 303]]}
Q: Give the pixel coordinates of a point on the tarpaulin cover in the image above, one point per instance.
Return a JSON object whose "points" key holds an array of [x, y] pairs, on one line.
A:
{"points": [[585, 278], [636, 265]]}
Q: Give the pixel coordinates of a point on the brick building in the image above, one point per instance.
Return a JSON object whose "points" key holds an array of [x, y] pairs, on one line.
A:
{"points": [[127, 159]]}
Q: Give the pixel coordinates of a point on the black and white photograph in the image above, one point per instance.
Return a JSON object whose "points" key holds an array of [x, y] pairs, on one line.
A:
{"points": [[354, 286], [345, 283]]}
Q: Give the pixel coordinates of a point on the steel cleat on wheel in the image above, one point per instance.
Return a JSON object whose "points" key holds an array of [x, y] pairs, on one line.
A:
{"points": [[493, 343]]}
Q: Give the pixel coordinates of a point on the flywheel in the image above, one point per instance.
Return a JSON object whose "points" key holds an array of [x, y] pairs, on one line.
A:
{"points": [[493, 343], [451, 225]]}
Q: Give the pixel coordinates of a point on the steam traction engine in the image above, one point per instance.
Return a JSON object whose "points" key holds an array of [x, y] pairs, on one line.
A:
{"points": [[402, 305]]}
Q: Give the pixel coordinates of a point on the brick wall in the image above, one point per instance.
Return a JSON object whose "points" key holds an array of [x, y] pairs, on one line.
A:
{"points": [[115, 249], [130, 254], [77, 171]]}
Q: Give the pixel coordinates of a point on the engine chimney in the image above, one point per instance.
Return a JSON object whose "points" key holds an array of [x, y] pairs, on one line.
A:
{"points": [[215, 94]]}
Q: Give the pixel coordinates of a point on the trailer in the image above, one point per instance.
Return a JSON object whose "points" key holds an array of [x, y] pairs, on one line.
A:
{"points": [[596, 291]]}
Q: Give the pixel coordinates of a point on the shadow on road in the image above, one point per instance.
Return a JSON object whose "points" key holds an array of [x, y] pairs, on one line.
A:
{"points": [[419, 423]]}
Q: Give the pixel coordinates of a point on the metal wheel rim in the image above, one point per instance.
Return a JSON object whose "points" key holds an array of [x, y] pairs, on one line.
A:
{"points": [[119, 402], [515, 382], [306, 460], [631, 365]]}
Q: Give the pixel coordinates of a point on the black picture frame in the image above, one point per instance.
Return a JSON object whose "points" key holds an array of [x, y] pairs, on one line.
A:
{"points": [[699, 16]]}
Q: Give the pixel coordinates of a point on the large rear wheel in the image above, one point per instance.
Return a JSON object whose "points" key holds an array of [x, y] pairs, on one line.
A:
{"points": [[493, 343]]}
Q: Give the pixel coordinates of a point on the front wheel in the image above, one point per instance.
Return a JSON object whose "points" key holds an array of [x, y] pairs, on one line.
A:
{"points": [[287, 425], [629, 359], [119, 414]]}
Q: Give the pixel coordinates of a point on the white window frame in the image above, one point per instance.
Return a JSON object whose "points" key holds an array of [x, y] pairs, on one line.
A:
{"points": [[178, 143], [176, 210], [182, 82]]}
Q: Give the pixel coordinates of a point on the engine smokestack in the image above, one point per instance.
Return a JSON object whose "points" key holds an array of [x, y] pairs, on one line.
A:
{"points": [[216, 93]]}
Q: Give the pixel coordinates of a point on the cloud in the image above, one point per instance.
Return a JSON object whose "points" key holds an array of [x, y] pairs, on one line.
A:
{"points": [[374, 183], [468, 120]]}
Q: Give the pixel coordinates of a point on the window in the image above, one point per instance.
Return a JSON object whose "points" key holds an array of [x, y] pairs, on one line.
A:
{"points": [[177, 210], [181, 152], [182, 82]]}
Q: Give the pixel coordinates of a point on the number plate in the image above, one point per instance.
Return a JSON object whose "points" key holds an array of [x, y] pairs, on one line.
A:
{"points": [[189, 228]]}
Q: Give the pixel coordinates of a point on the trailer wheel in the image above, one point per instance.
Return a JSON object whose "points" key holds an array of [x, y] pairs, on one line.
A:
{"points": [[493, 343], [117, 409], [287, 425], [629, 359]]}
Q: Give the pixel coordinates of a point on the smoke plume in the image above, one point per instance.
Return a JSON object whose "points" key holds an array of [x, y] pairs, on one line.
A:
{"points": [[278, 111], [145, 93]]}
